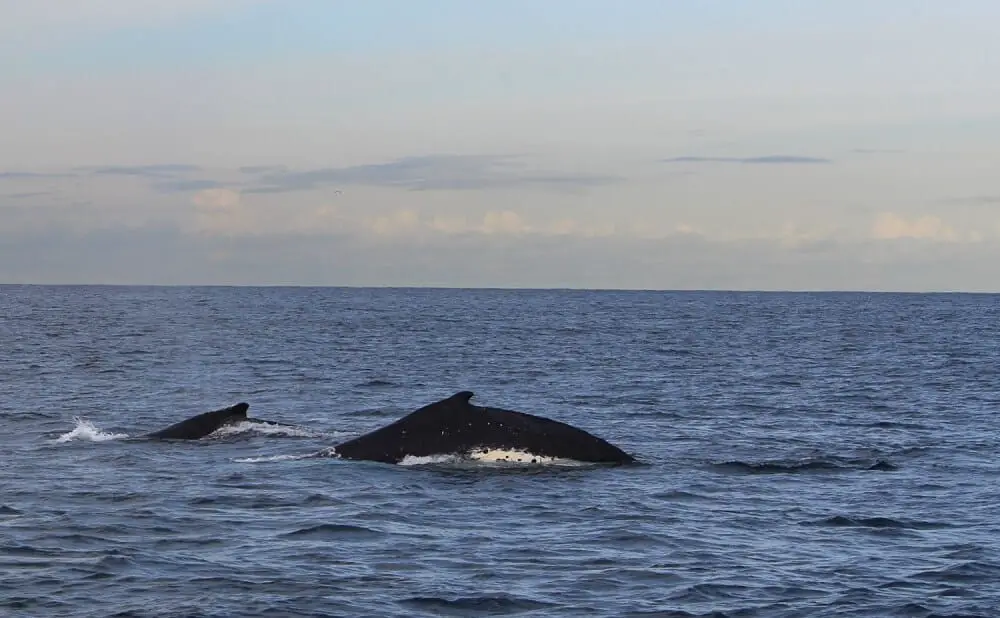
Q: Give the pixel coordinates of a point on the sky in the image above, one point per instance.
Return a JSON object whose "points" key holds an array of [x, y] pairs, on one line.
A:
{"points": [[648, 144]]}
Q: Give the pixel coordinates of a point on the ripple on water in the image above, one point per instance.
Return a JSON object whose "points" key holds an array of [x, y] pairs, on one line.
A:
{"points": [[841, 521], [485, 605], [822, 465], [333, 532]]}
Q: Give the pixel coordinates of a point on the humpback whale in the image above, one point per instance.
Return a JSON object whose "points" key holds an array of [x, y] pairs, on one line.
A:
{"points": [[456, 426], [203, 424]]}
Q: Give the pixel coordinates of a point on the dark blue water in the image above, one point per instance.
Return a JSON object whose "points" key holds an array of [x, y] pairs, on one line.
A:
{"points": [[808, 454]]}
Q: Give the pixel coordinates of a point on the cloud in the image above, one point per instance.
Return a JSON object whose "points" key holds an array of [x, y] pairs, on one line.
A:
{"points": [[154, 171], [504, 222], [227, 212], [26, 194], [878, 150], [213, 199], [411, 223], [163, 177], [975, 200], [401, 222], [890, 226], [181, 186], [651, 234], [261, 169], [219, 211], [431, 172], [168, 255], [761, 160], [31, 175]]}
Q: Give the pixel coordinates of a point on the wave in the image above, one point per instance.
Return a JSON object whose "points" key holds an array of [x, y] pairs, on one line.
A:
{"points": [[486, 604], [966, 572], [891, 425], [679, 495], [842, 521], [821, 464], [680, 613], [88, 432], [273, 458], [882, 465], [332, 532]]}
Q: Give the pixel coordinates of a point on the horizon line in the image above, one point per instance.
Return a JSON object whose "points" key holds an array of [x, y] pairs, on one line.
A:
{"points": [[514, 288]]}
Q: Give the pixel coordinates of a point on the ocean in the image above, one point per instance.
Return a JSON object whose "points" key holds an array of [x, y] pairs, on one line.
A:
{"points": [[803, 454]]}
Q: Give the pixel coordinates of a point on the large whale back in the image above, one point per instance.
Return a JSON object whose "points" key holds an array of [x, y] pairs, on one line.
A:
{"points": [[455, 426], [203, 424]]}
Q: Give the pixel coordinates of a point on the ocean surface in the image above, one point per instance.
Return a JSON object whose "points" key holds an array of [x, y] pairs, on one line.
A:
{"points": [[803, 454]]}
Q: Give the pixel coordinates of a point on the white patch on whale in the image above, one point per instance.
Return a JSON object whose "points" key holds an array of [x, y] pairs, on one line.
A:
{"points": [[512, 456], [487, 456]]}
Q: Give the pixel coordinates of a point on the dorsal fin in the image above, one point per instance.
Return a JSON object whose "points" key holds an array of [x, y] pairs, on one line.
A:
{"points": [[240, 408], [463, 396]]}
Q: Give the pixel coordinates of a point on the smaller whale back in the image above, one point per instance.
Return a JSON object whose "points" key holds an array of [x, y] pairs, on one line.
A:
{"points": [[203, 424]]}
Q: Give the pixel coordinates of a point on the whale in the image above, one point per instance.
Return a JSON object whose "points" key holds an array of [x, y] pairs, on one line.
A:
{"points": [[455, 426], [201, 425]]}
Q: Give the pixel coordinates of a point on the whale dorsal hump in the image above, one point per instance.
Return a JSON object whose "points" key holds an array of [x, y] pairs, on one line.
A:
{"points": [[463, 396]]}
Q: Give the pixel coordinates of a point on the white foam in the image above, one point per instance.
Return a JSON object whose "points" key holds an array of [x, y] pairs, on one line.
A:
{"points": [[412, 460], [88, 432], [265, 429]]}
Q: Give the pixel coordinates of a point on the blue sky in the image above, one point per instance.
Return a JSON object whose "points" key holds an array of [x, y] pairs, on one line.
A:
{"points": [[254, 31], [765, 144]]}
